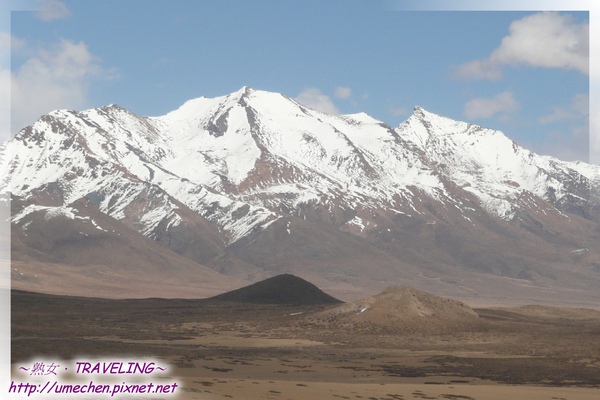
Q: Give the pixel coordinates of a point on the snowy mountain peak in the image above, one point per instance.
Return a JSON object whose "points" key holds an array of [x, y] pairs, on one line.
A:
{"points": [[112, 106], [261, 151], [423, 114], [256, 180], [362, 117], [240, 95], [246, 91], [436, 124]]}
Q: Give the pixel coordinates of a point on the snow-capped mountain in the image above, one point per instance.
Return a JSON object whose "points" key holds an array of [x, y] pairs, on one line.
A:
{"points": [[254, 182]]}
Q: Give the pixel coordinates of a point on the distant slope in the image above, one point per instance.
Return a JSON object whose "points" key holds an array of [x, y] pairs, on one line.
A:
{"points": [[80, 251], [280, 289]]}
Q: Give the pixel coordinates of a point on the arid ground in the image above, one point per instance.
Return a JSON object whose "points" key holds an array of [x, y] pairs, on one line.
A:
{"points": [[220, 350]]}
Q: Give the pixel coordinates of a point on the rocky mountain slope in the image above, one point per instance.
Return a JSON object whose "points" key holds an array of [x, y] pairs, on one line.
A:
{"points": [[253, 183]]}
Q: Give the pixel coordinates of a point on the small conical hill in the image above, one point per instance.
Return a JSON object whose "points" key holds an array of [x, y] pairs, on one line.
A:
{"points": [[280, 289]]}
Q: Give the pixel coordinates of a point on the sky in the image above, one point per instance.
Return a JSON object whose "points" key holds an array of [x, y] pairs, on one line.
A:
{"points": [[526, 73]]}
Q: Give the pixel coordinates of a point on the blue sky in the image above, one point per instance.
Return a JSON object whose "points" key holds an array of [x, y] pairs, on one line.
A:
{"points": [[522, 72]]}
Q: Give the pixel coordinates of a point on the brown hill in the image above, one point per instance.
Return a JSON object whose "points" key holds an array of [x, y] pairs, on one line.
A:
{"points": [[280, 289], [402, 308]]}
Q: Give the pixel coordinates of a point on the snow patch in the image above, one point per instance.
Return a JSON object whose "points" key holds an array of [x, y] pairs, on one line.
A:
{"points": [[358, 222], [98, 226]]}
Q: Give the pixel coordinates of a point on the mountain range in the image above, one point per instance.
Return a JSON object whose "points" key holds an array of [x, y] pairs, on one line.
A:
{"points": [[230, 190]]}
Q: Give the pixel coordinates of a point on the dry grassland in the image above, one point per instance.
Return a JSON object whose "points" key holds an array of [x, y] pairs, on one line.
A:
{"points": [[227, 350]]}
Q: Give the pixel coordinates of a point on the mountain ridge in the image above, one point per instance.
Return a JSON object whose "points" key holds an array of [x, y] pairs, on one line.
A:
{"points": [[434, 201]]}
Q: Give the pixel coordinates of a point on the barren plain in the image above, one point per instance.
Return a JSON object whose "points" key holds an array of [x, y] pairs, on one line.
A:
{"points": [[220, 350]]}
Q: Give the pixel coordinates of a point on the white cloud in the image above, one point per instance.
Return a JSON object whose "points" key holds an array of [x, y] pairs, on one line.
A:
{"points": [[314, 98], [546, 39], [4, 104], [397, 111], [342, 92], [578, 108], [575, 142], [8, 43], [568, 145], [50, 10], [52, 79], [479, 69], [502, 103], [5, 46]]}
